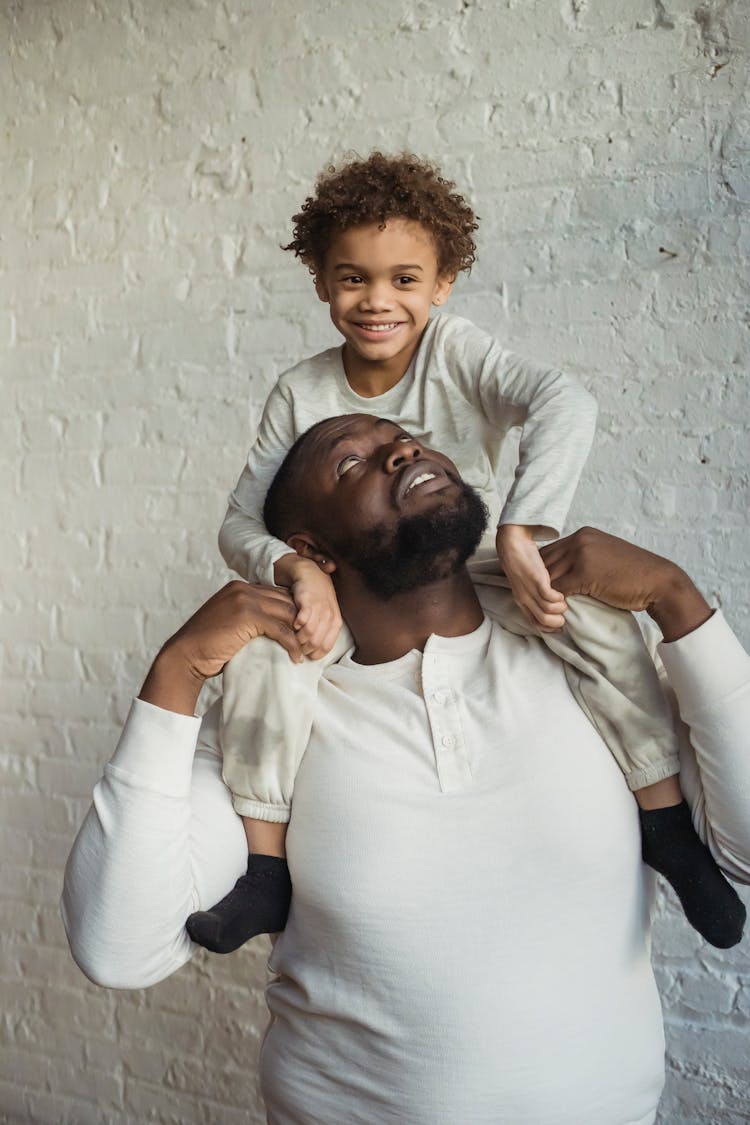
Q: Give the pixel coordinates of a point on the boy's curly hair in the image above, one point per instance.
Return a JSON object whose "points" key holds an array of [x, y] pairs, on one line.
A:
{"points": [[384, 187]]}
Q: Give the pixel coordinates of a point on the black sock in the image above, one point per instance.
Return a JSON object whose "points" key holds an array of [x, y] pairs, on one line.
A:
{"points": [[257, 904], [673, 848]]}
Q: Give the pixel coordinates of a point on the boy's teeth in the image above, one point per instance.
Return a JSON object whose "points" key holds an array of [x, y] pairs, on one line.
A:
{"points": [[378, 327]]}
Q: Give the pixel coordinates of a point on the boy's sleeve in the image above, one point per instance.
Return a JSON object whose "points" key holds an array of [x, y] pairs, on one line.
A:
{"points": [[243, 539], [557, 415]]}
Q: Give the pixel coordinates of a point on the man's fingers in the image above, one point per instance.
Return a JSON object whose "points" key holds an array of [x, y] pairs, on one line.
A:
{"points": [[567, 583], [558, 566], [284, 635]]}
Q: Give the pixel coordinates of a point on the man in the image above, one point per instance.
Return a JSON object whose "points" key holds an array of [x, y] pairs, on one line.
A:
{"points": [[468, 939]]}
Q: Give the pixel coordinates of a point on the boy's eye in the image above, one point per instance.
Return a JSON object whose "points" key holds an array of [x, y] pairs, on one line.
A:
{"points": [[347, 464], [355, 279], [406, 280]]}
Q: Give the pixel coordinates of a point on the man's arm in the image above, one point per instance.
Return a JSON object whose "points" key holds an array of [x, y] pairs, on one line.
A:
{"points": [[708, 675], [627, 577], [161, 838]]}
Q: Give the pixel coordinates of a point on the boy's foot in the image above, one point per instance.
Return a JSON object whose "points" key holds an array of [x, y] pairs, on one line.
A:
{"points": [[673, 848], [257, 904]]}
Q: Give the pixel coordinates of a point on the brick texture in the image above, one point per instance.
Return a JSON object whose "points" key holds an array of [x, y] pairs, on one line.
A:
{"points": [[150, 158]]}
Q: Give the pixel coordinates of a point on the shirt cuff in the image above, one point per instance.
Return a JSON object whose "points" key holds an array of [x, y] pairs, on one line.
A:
{"points": [[705, 666], [275, 552], [157, 748], [516, 510]]}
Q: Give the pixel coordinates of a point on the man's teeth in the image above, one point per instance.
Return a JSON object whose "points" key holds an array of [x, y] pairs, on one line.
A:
{"points": [[380, 327], [420, 480]]}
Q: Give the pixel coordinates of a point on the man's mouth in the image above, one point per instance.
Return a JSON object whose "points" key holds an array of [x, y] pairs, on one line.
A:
{"points": [[419, 480], [419, 477]]}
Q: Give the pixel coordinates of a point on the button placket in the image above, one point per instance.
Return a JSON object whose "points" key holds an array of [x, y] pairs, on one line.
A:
{"points": [[451, 760]]}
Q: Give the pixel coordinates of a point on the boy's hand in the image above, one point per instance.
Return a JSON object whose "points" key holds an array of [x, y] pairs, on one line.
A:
{"points": [[318, 621], [529, 581]]}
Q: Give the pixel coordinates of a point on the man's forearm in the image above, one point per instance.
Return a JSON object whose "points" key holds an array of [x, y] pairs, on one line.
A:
{"points": [[618, 573], [171, 684], [680, 607]]}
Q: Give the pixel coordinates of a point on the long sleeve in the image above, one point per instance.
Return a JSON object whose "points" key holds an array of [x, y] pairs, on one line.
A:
{"points": [[709, 674], [243, 539], [557, 416], [160, 840]]}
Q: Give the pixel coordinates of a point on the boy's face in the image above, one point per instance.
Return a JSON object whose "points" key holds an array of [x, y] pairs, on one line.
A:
{"points": [[380, 285]]}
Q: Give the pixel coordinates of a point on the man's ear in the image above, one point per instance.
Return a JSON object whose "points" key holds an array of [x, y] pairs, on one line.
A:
{"points": [[306, 546], [442, 290], [322, 289]]}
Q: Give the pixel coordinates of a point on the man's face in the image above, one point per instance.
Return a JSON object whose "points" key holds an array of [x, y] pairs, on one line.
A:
{"points": [[380, 285], [396, 512]]}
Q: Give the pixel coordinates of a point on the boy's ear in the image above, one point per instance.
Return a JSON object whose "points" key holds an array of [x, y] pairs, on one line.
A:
{"points": [[305, 546], [443, 287], [321, 289]]}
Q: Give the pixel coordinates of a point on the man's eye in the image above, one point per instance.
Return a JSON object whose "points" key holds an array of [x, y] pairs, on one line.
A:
{"points": [[348, 463], [405, 437]]}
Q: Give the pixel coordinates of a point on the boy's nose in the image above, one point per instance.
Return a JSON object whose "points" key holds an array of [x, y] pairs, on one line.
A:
{"points": [[376, 298], [400, 453]]}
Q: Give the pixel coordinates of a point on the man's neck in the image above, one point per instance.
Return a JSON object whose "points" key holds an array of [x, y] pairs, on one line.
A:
{"points": [[386, 629]]}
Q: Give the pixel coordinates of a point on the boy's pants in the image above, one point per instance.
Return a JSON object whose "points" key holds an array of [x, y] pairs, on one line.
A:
{"points": [[268, 702]]}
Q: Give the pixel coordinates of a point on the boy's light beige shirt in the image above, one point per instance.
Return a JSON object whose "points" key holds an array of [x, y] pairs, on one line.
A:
{"points": [[462, 393]]}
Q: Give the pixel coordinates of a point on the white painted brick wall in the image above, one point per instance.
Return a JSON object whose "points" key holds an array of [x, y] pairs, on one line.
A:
{"points": [[150, 158]]}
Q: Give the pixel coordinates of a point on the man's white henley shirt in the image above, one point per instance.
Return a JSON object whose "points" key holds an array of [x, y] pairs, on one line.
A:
{"points": [[469, 934]]}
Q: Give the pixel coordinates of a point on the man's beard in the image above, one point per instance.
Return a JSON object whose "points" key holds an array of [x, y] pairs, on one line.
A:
{"points": [[421, 549]]}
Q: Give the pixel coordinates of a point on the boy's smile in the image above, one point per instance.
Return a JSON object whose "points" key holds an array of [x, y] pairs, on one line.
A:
{"points": [[380, 284]]}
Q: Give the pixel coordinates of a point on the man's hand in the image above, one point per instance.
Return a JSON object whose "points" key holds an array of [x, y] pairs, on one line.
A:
{"points": [[529, 581], [627, 577], [223, 625]]}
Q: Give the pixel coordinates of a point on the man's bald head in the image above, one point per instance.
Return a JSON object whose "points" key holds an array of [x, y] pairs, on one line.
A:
{"points": [[371, 498], [286, 505]]}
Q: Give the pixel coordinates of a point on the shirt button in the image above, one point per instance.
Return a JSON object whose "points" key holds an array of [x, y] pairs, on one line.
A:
{"points": [[448, 741], [438, 696]]}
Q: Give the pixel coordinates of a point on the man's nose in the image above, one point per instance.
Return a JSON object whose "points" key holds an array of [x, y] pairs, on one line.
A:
{"points": [[401, 453]]}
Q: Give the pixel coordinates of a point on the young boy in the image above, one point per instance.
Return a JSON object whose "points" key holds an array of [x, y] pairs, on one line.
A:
{"points": [[384, 239]]}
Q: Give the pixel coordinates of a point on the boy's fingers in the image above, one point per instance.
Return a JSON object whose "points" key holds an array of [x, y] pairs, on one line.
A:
{"points": [[536, 605], [541, 585], [544, 599], [547, 622], [558, 605], [302, 618], [329, 641]]}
